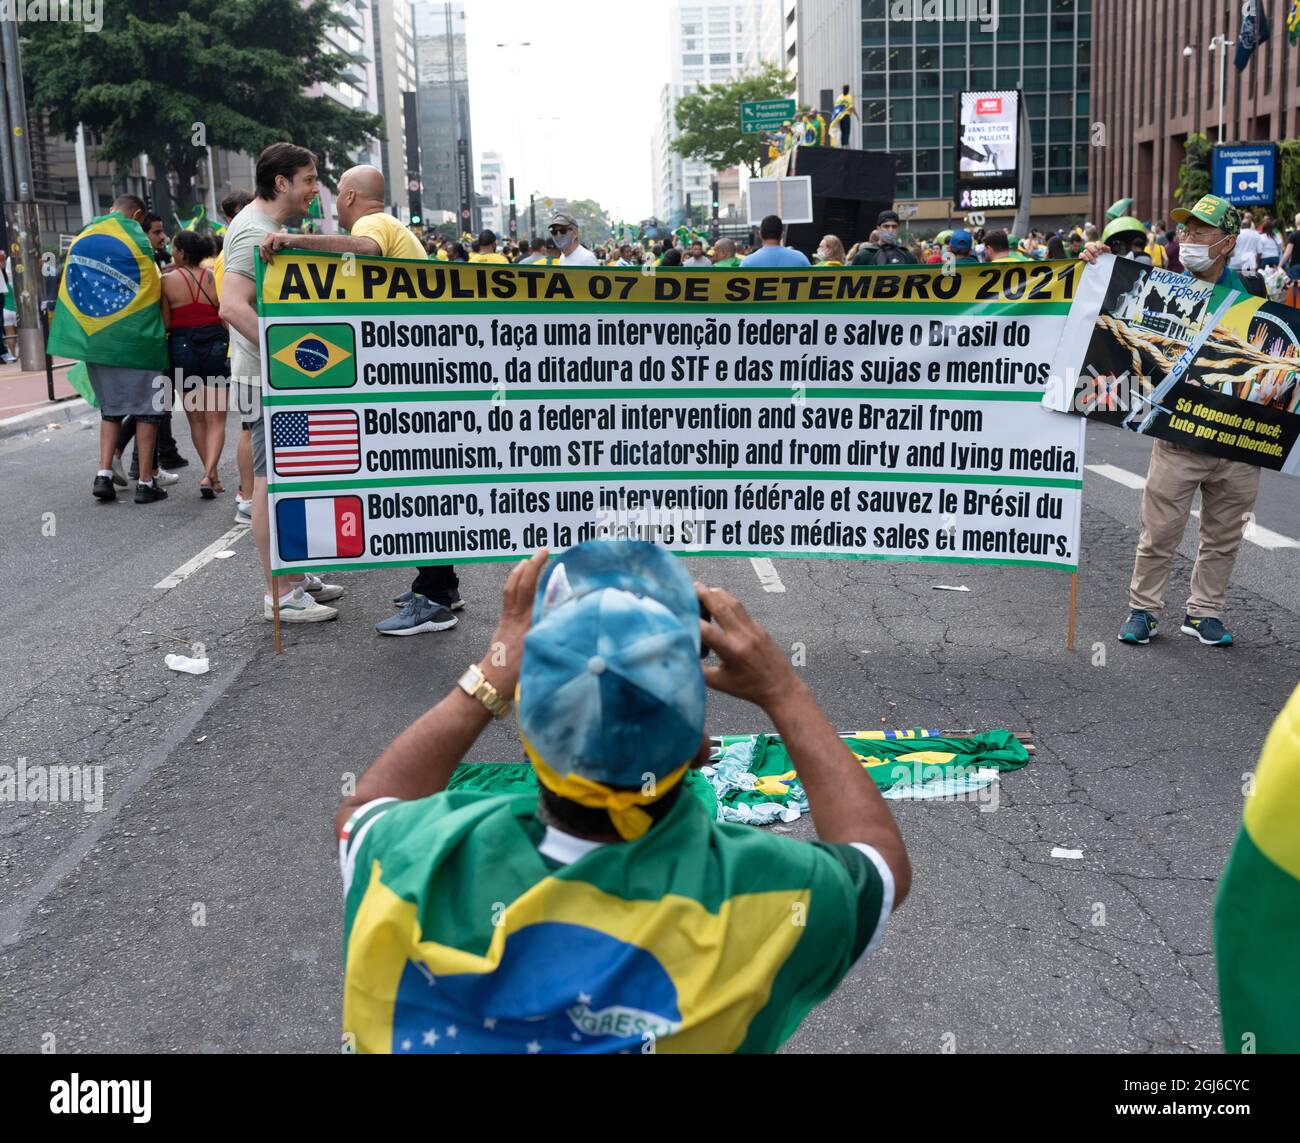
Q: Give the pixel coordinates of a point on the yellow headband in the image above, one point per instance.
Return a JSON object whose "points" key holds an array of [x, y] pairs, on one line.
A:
{"points": [[623, 806]]}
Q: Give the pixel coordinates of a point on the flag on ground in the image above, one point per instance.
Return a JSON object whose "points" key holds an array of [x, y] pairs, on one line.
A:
{"points": [[108, 310], [320, 527], [316, 443], [1257, 913]]}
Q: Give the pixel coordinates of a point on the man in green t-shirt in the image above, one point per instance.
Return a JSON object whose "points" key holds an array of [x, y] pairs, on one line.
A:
{"points": [[724, 254], [612, 913]]}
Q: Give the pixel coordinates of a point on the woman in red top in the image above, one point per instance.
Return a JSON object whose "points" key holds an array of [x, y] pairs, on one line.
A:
{"points": [[197, 341]]}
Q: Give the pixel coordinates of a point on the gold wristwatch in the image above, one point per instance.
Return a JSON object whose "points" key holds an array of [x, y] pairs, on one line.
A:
{"points": [[475, 684]]}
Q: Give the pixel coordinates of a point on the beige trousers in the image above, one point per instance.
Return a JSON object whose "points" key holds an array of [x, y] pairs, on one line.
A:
{"points": [[1228, 491]]}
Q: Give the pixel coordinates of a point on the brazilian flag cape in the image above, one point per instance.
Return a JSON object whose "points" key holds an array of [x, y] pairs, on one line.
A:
{"points": [[108, 310], [1257, 915], [460, 935]]}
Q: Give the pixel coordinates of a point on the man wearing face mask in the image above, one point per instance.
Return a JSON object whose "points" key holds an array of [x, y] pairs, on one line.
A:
{"points": [[889, 253], [572, 252], [1228, 488]]}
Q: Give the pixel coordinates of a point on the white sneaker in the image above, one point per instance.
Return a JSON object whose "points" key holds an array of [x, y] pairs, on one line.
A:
{"points": [[243, 511], [119, 477], [163, 478], [319, 590], [298, 607]]}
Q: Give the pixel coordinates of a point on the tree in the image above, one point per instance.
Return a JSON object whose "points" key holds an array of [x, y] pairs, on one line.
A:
{"points": [[166, 77], [709, 120], [1288, 181], [1194, 179], [593, 226]]}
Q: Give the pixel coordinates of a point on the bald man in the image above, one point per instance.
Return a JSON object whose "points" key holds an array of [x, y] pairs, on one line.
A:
{"points": [[371, 232]]}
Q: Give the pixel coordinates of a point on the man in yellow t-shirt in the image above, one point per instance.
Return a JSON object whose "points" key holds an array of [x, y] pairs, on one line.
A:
{"points": [[485, 249], [372, 233]]}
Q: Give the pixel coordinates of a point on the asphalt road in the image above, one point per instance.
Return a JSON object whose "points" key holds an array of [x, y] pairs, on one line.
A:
{"points": [[200, 908]]}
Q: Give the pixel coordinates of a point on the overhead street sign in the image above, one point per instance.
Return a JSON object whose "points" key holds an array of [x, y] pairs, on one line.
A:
{"points": [[764, 115]]}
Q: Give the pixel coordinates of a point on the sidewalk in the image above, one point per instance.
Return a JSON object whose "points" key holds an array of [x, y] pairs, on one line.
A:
{"points": [[22, 392]]}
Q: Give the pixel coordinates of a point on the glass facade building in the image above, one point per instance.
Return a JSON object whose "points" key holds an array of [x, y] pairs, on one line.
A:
{"points": [[912, 69]]}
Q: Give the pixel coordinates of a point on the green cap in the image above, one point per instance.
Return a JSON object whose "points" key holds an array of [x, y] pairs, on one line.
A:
{"points": [[1213, 211]]}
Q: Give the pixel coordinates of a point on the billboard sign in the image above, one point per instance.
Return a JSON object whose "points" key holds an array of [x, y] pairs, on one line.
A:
{"points": [[986, 168]]}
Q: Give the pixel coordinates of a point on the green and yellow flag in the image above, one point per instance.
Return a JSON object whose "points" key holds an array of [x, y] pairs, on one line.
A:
{"points": [[316, 356], [108, 310], [1257, 916]]}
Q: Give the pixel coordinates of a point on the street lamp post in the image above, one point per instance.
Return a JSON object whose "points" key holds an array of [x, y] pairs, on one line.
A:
{"points": [[1221, 43], [514, 48]]}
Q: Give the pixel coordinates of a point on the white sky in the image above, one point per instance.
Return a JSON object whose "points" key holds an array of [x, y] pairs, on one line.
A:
{"points": [[574, 114]]}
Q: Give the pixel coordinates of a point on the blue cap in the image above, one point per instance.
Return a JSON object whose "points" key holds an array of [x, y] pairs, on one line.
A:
{"points": [[960, 242], [610, 688]]}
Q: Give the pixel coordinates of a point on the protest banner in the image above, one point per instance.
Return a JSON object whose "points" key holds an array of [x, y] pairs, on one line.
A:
{"points": [[1182, 360], [427, 412]]}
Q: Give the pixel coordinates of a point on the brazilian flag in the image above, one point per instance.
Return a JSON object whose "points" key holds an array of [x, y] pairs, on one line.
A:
{"points": [[313, 356], [108, 310], [460, 935], [1257, 915]]}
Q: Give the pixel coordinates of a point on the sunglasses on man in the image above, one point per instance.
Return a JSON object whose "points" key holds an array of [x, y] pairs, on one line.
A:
{"points": [[561, 229]]}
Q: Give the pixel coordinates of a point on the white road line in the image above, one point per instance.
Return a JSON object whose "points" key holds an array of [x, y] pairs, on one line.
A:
{"points": [[187, 569], [767, 574], [1119, 475], [1256, 534]]}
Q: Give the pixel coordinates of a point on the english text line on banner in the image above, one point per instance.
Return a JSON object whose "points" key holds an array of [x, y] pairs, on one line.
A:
{"points": [[420, 412]]}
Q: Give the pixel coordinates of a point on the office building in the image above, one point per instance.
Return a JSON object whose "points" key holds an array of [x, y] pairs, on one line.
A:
{"points": [[442, 87], [1156, 82]]}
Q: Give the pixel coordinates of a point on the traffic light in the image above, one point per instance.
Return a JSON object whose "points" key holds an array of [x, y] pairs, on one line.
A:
{"points": [[417, 209], [717, 204]]}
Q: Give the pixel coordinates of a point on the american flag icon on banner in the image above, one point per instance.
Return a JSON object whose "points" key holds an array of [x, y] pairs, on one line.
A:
{"points": [[317, 443]]}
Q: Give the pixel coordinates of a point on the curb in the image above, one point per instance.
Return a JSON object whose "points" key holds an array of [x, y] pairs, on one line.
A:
{"points": [[35, 420]]}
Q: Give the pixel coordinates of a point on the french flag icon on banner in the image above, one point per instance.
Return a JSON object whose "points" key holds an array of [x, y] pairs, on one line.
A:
{"points": [[320, 527]]}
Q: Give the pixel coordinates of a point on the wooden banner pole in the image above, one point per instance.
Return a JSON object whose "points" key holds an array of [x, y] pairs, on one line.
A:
{"points": [[1074, 598], [275, 609]]}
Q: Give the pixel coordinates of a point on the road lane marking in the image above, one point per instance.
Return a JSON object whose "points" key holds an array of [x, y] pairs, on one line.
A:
{"points": [[1119, 475], [16, 915], [1256, 534], [767, 574], [187, 569]]}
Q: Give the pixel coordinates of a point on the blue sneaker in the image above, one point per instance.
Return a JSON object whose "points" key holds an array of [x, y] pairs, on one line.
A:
{"points": [[418, 616], [1209, 631], [1140, 629], [453, 604]]}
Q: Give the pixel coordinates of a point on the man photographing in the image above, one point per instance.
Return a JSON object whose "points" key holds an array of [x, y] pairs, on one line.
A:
{"points": [[610, 913]]}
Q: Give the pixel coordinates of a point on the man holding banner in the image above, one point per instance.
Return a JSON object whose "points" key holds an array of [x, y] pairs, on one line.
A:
{"points": [[285, 189], [1228, 488], [109, 315]]}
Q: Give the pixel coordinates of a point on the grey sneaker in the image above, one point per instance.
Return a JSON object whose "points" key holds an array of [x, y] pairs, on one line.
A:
{"points": [[319, 590], [455, 603], [418, 616]]}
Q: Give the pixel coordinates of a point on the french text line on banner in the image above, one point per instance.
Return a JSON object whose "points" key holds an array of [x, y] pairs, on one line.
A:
{"points": [[426, 412]]}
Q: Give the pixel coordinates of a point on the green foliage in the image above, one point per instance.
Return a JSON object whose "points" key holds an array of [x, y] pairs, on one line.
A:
{"points": [[1194, 179], [164, 77], [1288, 182], [709, 120]]}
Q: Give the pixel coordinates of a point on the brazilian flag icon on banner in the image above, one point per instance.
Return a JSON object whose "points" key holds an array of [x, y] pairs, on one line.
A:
{"points": [[318, 356]]}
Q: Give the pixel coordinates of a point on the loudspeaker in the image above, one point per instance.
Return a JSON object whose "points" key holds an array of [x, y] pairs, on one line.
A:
{"points": [[850, 189]]}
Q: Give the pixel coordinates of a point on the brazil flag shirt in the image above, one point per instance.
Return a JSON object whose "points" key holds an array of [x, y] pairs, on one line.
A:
{"points": [[472, 926]]}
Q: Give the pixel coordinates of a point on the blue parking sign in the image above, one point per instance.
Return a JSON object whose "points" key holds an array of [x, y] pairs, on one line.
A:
{"points": [[1244, 172]]}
